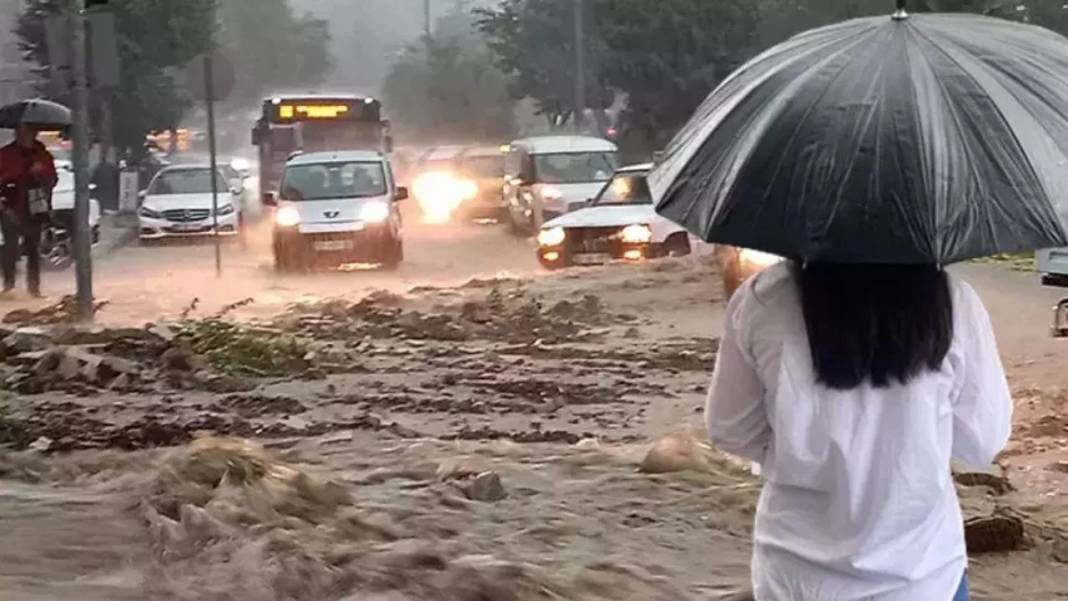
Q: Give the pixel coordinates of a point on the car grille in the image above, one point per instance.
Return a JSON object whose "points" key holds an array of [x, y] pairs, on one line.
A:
{"points": [[593, 239], [186, 215]]}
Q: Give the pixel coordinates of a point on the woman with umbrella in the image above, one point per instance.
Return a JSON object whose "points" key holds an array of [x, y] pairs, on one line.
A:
{"points": [[871, 154], [27, 177]]}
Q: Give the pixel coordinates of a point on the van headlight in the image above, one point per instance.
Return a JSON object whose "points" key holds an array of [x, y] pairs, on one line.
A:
{"points": [[553, 236], [374, 212], [287, 217], [637, 234]]}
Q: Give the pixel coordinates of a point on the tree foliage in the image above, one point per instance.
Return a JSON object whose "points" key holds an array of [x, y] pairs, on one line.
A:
{"points": [[158, 38], [275, 48], [666, 56], [448, 87], [534, 44], [155, 36]]}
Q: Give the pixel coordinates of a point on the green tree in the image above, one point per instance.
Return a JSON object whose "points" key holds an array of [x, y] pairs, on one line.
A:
{"points": [[667, 56], [447, 88], [273, 47], [155, 36], [534, 44]]}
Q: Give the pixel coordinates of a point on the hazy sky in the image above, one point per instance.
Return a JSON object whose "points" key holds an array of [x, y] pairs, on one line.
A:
{"points": [[367, 34]]}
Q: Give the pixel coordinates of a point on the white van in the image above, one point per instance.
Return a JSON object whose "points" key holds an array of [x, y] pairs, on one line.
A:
{"points": [[340, 207], [553, 174]]}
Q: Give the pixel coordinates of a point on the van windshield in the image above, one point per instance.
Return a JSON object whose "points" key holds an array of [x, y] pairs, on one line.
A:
{"points": [[486, 167], [574, 167], [327, 181]]}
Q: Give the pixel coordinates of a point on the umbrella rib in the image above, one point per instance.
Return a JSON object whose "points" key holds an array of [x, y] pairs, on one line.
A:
{"points": [[1027, 164], [955, 116]]}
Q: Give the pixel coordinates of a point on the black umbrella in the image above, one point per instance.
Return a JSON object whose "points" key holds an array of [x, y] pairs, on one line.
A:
{"points": [[929, 138], [42, 113]]}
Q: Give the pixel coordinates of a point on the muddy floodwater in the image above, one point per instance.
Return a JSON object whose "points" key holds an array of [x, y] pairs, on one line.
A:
{"points": [[484, 442]]}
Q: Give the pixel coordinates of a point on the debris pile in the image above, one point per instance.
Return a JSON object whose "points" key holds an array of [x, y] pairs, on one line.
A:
{"points": [[511, 316]]}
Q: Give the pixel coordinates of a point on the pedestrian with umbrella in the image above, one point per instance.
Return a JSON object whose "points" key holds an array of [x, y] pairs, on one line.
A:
{"points": [[871, 154], [27, 177]]}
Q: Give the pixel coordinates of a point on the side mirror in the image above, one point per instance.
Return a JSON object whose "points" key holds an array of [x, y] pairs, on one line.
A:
{"points": [[400, 194], [142, 194], [269, 199]]}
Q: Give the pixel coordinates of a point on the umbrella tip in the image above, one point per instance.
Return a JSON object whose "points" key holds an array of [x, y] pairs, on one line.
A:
{"points": [[900, 14]]}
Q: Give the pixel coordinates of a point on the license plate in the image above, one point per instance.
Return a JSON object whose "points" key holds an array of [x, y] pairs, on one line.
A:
{"points": [[591, 258], [329, 245], [187, 228]]}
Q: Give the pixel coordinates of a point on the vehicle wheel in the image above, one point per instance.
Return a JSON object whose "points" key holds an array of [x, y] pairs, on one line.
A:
{"points": [[677, 245], [394, 257]]}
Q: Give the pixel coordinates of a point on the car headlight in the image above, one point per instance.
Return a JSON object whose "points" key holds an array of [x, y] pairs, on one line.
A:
{"points": [[637, 234], [149, 213], [375, 212], [225, 210], [553, 236], [287, 217], [467, 189], [758, 258]]}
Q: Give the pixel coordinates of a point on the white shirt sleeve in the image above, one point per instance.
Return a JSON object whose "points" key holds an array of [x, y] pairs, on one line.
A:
{"points": [[735, 413], [982, 411]]}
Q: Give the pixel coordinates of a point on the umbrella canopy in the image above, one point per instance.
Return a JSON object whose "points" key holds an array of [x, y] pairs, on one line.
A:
{"points": [[929, 138], [42, 113]]}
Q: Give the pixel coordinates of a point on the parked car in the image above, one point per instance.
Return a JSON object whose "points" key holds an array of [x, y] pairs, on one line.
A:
{"points": [[552, 173], [178, 203], [337, 207], [63, 200], [619, 223]]}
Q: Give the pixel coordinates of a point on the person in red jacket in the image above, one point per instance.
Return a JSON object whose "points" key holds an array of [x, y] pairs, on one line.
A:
{"points": [[27, 177]]}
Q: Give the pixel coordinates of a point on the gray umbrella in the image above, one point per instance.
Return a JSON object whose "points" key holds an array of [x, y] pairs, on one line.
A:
{"points": [[43, 113], [929, 138]]}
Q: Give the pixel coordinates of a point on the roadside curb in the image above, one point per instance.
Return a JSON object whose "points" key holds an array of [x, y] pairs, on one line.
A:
{"points": [[116, 234]]}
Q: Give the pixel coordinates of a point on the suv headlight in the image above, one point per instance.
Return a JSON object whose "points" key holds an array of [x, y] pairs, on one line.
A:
{"points": [[553, 236], [637, 234], [375, 212], [149, 213], [226, 209], [287, 217]]}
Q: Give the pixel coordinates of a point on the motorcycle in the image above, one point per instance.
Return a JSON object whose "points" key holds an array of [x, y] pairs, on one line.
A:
{"points": [[56, 248]]}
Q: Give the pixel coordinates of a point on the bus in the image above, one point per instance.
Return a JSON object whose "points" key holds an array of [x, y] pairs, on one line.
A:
{"points": [[290, 124]]}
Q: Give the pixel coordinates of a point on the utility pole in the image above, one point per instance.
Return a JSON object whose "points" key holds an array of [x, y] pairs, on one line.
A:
{"points": [[80, 158], [209, 89], [580, 65], [426, 22]]}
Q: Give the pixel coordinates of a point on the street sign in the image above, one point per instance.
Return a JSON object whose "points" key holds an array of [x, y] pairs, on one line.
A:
{"points": [[223, 77], [128, 191]]}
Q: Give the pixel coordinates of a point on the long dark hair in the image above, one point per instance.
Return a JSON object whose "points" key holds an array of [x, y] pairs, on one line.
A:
{"points": [[882, 324]]}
